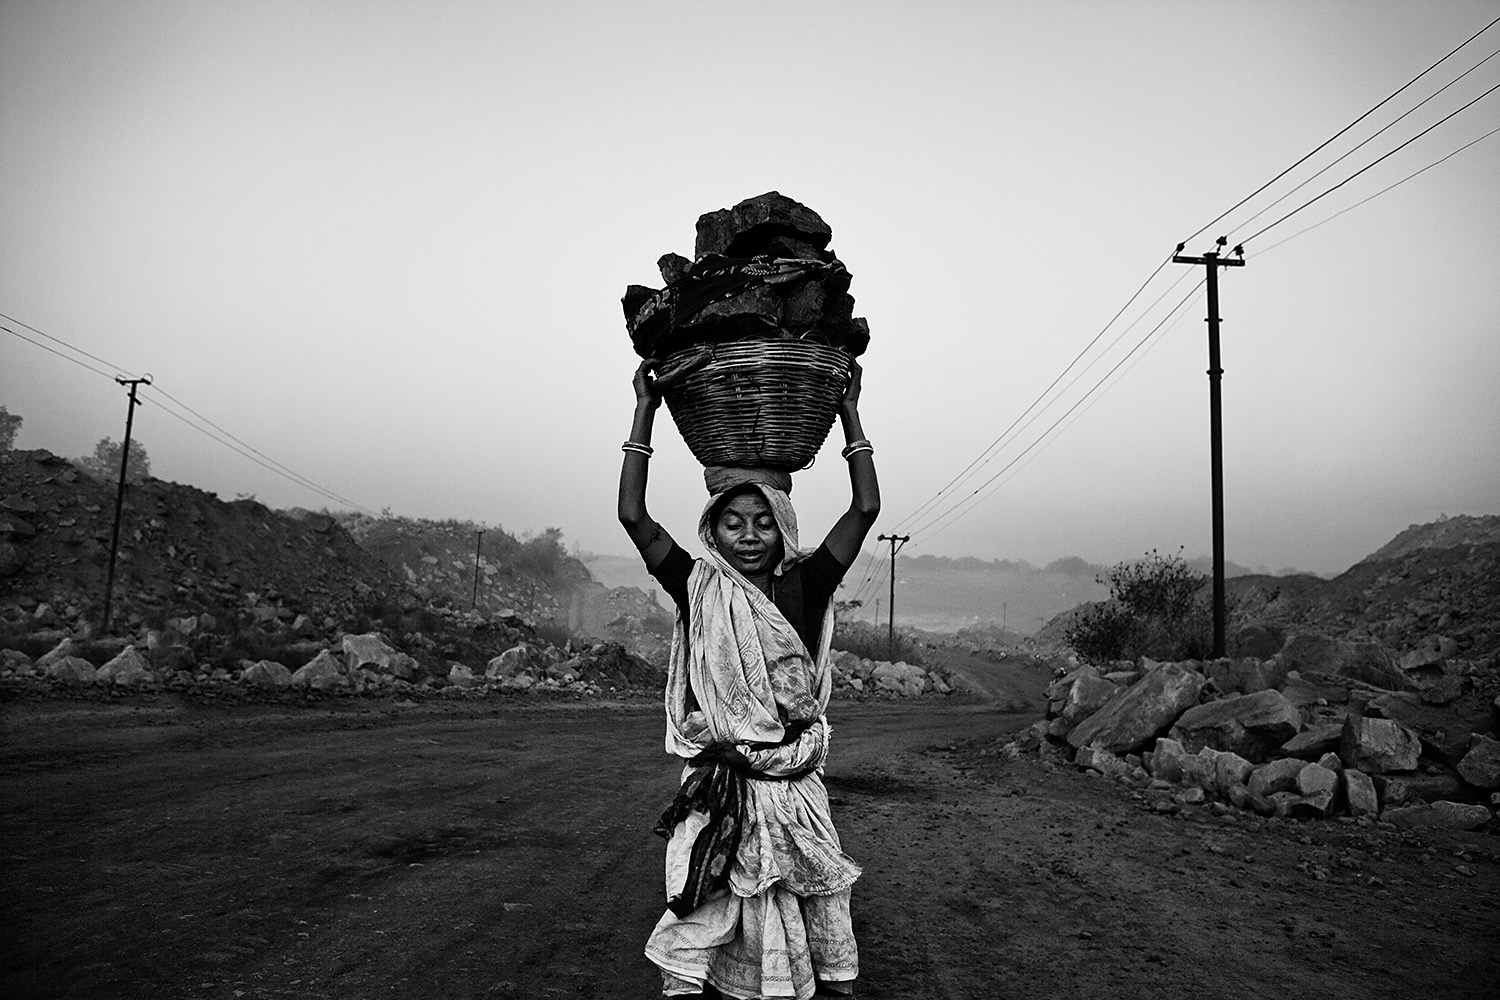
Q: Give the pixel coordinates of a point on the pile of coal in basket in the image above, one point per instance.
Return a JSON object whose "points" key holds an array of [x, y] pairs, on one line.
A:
{"points": [[764, 310]]}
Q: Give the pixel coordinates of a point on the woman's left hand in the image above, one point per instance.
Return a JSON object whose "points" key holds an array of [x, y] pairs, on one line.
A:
{"points": [[851, 394]]}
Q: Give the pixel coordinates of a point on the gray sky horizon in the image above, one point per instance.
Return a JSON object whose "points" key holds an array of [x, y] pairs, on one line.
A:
{"points": [[384, 245]]}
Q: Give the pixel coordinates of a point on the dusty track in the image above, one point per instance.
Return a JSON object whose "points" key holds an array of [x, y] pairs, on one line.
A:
{"points": [[165, 849]]}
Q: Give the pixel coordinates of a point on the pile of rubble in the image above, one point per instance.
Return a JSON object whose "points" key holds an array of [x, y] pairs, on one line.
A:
{"points": [[860, 675], [364, 665], [1316, 728]]}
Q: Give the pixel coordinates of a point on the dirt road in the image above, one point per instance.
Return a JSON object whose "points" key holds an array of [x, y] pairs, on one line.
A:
{"points": [[165, 849]]}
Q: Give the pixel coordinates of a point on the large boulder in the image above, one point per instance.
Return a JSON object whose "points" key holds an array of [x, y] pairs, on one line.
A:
{"points": [[1315, 779], [1144, 709], [72, 669], [1230, 770], [461, 676], [65, 648], [1359, 792], [1418, 786], [899, 678], [1165, 761], [1480, 767], [1276, 776], [1440, 815], [129, 667], [1314, 741], [267, 674], [518, 661], [1378, 745], [323, 672], [371, 652], [1086, 695], [1251, 725], [1244, 676]]}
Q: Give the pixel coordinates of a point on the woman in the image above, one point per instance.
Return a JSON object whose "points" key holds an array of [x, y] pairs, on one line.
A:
{"points": [[757, 885]]}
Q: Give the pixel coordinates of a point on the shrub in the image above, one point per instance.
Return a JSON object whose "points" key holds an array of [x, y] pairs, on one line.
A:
{"points": [[872, 642], [1157, 608]]}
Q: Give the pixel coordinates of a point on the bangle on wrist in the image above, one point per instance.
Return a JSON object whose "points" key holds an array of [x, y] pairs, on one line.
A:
{"points": [[638, 448], [855, 447]]}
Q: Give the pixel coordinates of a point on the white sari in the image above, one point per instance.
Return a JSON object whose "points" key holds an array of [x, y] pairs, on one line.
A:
{"points": [[784, 923]]}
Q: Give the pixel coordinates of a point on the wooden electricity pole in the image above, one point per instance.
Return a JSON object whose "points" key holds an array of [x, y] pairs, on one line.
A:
{"points": [[890, 636], [114, 538], [1211, 261], [474, 597]]}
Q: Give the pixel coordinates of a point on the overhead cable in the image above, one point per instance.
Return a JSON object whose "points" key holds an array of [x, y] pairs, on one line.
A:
{"points": [[280, 469], [1368, 139], [240, 448], [980, 458], [1377, 194], [38, 343], [1341, 131], [58, 340], [1373, 163], [958, 509], [1171, 320]]}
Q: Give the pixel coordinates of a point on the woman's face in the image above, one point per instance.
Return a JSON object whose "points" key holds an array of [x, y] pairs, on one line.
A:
{"points": [[747, 535]]}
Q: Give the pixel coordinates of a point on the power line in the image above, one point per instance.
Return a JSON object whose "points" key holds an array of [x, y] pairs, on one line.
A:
{"points": [[38, 343], [956, 511], [980, 459], [1380, 159], [242, 449], [1377, 194], [1370, 138], [289, 476], [58, 340], [1155, 339], [1090, 366], [1340, 132], [279, 469]]}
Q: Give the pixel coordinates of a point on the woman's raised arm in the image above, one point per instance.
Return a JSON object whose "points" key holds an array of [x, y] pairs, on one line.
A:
{"points": [[649, 537], [849, 532]]}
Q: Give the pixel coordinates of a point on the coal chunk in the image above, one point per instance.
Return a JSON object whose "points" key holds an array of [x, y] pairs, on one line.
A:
{"points": [[747, 229]]}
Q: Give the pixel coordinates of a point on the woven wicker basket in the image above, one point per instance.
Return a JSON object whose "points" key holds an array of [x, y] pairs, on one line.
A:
{"points": [[757, 403]]}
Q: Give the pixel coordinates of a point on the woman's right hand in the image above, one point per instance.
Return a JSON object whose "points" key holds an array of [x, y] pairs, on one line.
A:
{"points": [[645, 386]]}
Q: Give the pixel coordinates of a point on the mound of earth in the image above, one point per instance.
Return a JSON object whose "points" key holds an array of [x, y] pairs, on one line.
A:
{"points": [[1433, 581], [256, 581]]}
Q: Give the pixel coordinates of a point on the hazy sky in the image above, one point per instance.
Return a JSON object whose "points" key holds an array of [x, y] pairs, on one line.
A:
{"points": [[384, 245]]}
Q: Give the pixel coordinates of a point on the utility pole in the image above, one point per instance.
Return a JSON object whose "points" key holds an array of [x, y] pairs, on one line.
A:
{"points": [[114, 538], [890, 635], [474, 597], [1211, 261]]}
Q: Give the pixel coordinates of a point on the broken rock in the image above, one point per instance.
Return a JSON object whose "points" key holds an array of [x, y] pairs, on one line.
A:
{"points": [[129, 667], [267, 674], [1480, 767], [1359, 792], [1314, 741], [1251, 725], [1087, 695], [1315, 779], [322, 673], [73, 669], [1378, 745], [1141, 711], [1440, 815], [1276, 776]]}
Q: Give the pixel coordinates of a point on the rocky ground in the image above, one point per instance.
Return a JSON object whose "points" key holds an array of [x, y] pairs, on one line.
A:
{"points": [[160, 846]]}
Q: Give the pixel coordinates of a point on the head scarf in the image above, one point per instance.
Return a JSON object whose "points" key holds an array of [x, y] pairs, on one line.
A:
{"points": [[768, 483]]}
